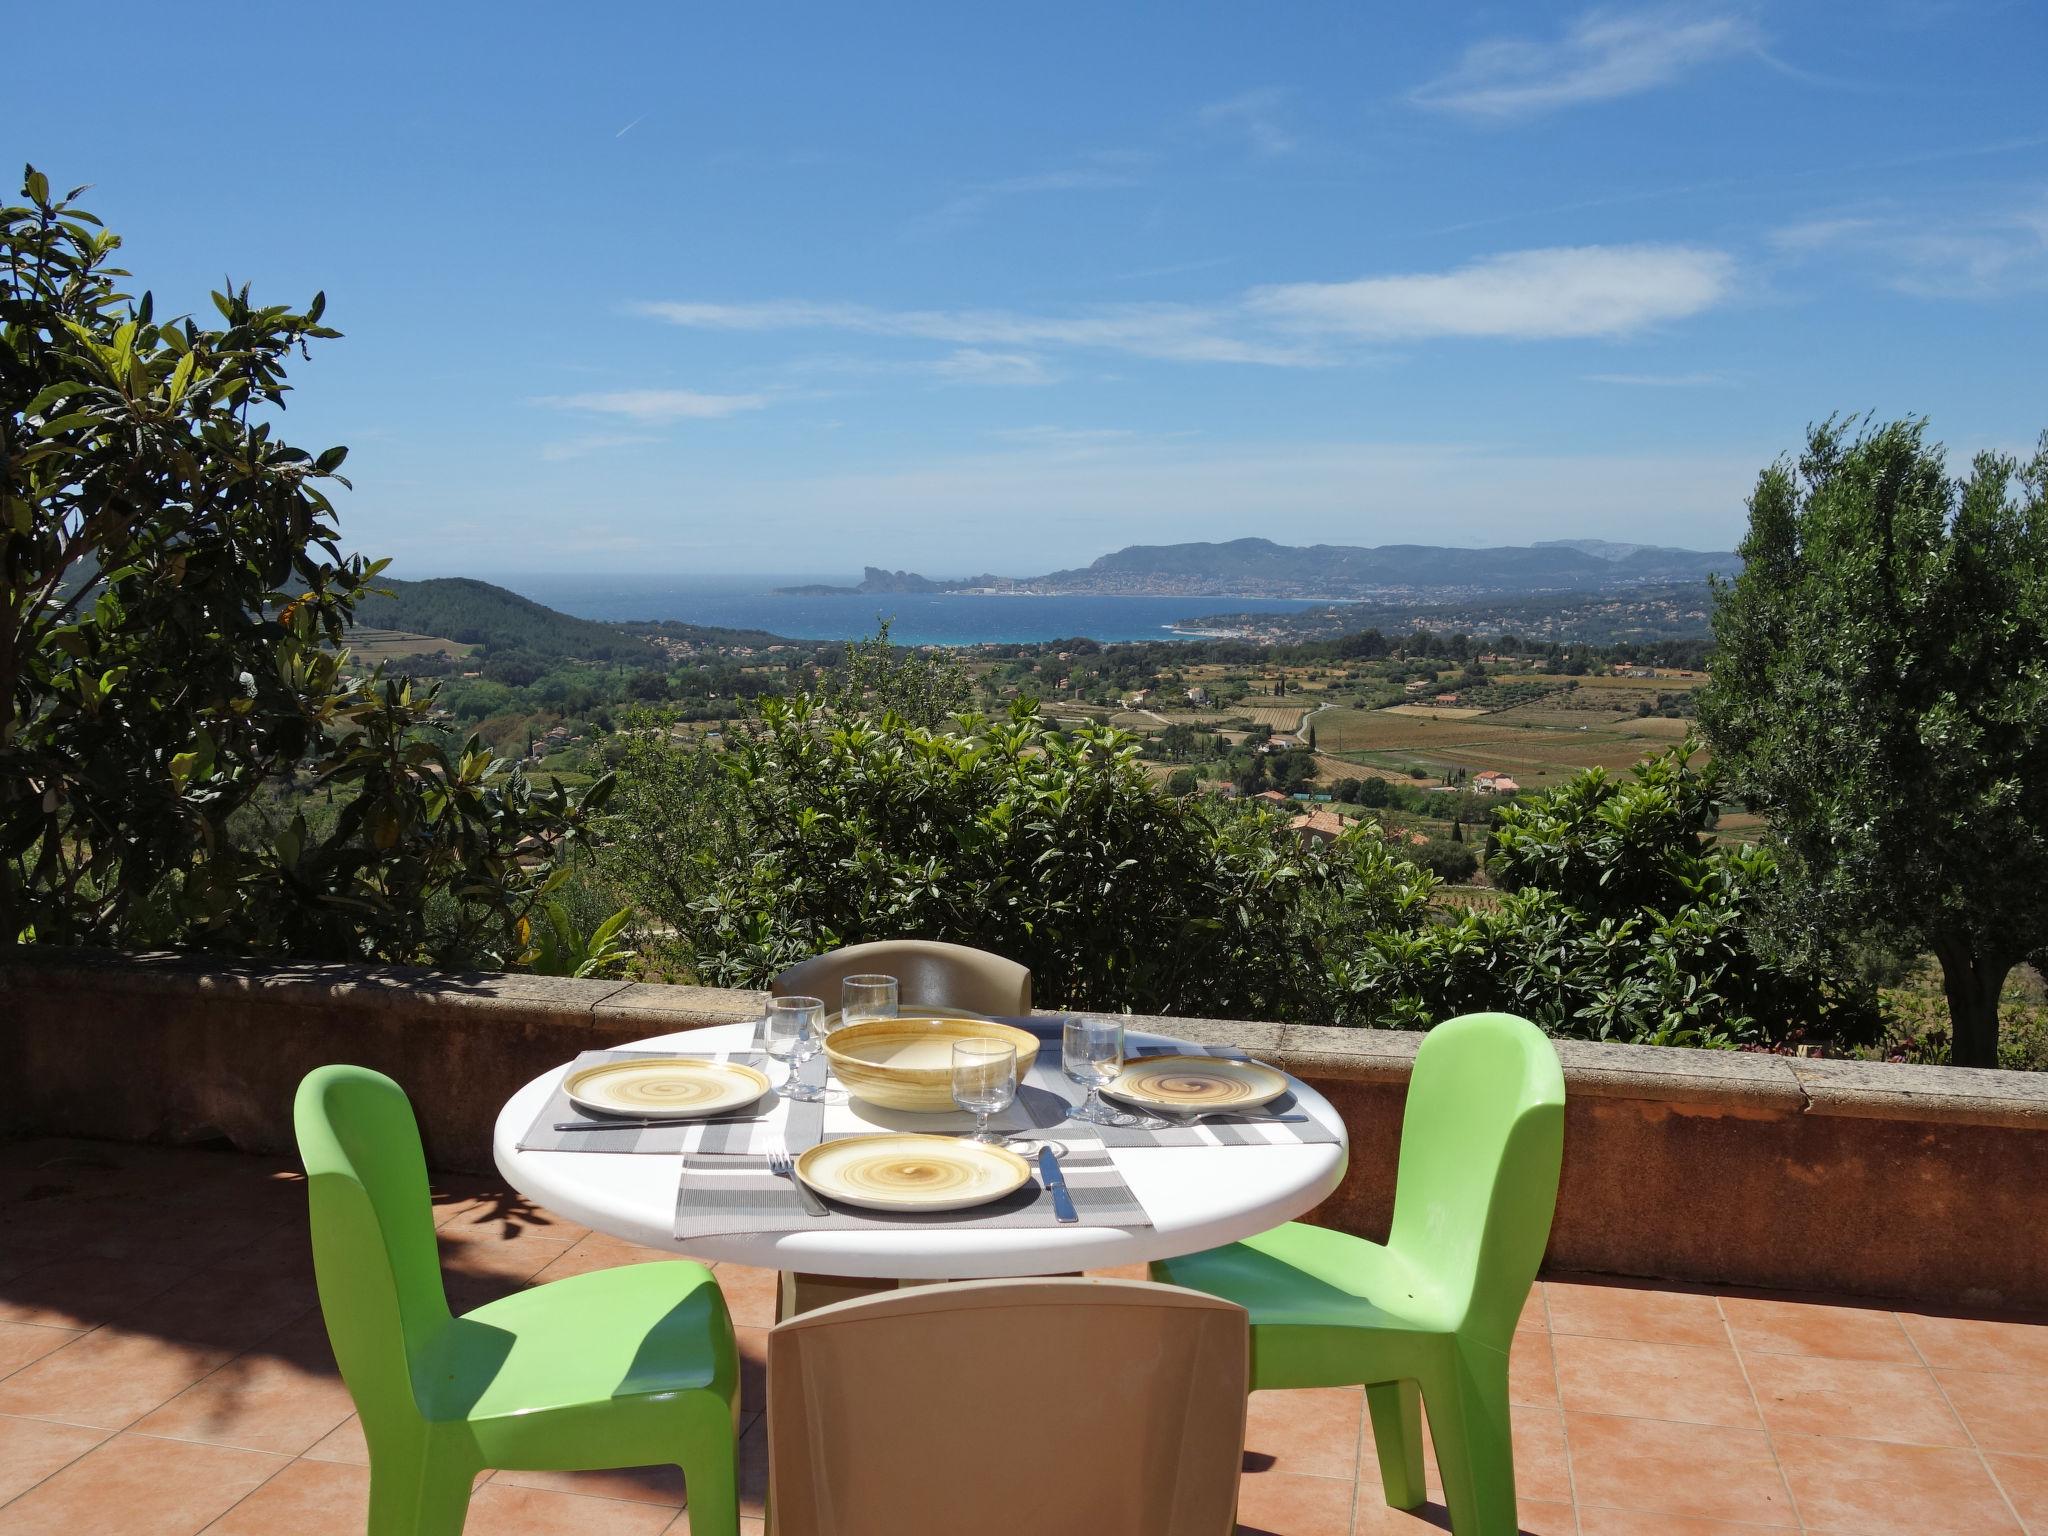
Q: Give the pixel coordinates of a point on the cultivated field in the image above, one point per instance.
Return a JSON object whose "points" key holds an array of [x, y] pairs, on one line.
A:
{"points": [[1281, 717], [374, 645], [1434, 711], [1538, 752]]}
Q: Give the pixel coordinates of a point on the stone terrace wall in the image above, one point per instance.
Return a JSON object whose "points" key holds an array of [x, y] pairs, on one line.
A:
{"points": [[1924, 1183]]}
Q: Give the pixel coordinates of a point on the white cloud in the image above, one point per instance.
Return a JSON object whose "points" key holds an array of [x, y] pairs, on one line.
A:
{"points": [[1602, 55], [1573, 291], [1103, 170], [1585, 291], [1662, 380], [973, 365], [1254, 115], [1179, 332], [1932, 254], [657, 405], [594, 442]]}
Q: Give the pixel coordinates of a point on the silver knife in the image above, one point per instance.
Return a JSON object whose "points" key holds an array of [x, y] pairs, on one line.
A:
{"points": [[1056, 1186]]}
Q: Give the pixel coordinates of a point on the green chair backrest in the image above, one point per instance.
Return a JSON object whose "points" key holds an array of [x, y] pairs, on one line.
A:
{"points": [[374, 1252], [1481, 1143]]}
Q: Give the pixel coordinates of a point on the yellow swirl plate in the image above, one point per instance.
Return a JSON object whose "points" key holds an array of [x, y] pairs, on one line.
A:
{"points": [[912, 1173], [664, 1088], [1187, 1084]]}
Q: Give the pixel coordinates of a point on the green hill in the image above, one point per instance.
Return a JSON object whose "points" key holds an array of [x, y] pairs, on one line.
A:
{"points": [[477, 613]]}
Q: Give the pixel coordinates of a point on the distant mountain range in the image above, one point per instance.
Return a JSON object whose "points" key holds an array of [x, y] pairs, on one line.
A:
{"points": [[1388, 573]]}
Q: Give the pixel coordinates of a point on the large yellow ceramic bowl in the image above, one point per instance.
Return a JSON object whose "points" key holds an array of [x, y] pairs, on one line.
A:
{"points": [[907, 1064]]}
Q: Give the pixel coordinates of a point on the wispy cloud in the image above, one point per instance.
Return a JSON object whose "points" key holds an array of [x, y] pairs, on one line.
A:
{"points": [[1255, 116], [1571, 291], [1103, 170], [593, 442], [1583, 291], [1929, 254], [1179, 332], [657, 405], [1662, 380], [1602, 55]]}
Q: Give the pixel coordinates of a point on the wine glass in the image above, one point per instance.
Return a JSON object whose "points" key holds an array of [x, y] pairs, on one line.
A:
{"points": [[795, 1033], [864, 998], [1092, 1054], [984, 1081]]}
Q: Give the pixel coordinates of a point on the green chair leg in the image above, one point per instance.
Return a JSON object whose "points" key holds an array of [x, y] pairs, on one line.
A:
{"points": [[1396, 1408], [1473, 1432], [710, 1464], [414, 1493]]}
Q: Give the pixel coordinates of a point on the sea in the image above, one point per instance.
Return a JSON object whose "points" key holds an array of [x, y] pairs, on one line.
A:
{"points": [[948, 618]]}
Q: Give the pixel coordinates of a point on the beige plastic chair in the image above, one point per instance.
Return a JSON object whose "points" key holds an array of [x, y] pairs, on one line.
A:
{"points": [[1026, 1407], [929, 974]]}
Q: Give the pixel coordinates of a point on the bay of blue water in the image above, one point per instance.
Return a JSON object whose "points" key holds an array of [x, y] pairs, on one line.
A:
{"points": [[742, 602]]}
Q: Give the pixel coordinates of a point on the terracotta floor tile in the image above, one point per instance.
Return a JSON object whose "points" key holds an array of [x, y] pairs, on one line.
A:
{"points": [[107, 1379], [1700, 1471], [508, 1220], [749, 1294], [597, 1251], [1532, 1370], [2025, 1481], [1374, 1518], [1294, 1504], [1542, 1469], [1633, 1522], [307, 1498], [1778, 1327], [750, 1525], [1858, 1399], [1535, 1312], [1310, 1431], [1624, 1312], [501, 1509], [82, 1292], [1865, 1488], [638, 1485], [1978, 1344], [754, 1466], [32, 1449], [2002, 1413], [229, 1309], [753, 1345], [495, 1258], [345, 1443], [139, 1487], [285, 1398], [21, 1343], [1692, 1383]]}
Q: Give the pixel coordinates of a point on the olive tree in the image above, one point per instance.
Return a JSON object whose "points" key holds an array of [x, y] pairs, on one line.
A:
{"points": [[1880, 690]]}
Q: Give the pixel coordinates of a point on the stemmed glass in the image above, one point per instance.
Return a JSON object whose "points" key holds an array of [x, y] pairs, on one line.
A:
{"points": [[1092, 1054], [865, 998], [795, 1032], [984, 1082]]}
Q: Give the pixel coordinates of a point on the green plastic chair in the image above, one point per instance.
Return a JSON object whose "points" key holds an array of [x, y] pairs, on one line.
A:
{"points": [[1428, 1319], [626, 1367]]}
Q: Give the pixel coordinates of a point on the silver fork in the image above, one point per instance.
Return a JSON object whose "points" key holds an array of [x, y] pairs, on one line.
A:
{"points": [[783, 1166]]}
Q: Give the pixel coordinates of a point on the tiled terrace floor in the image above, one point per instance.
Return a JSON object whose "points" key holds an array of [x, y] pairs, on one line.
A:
{"points": [[163, 1371]]}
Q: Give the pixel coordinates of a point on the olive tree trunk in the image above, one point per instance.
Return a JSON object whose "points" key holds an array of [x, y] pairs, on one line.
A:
{"points": [[1972, 983]]}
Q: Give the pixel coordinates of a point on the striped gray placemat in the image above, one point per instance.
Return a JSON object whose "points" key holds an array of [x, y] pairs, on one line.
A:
{"points": [[772, 1122], [1253, 1130], [730, 1196]]}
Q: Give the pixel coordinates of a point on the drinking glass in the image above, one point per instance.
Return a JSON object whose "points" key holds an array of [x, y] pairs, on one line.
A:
{"points": [[795, 1033], [862, 998], [1092, 1054], [984, 1081]]}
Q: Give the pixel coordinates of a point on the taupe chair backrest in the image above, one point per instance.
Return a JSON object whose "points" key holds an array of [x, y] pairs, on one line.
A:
{"points": [[928, 975], [1025, 1407]]}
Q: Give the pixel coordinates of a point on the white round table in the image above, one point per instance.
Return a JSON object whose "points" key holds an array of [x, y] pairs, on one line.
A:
{"points": [[1197, 1198]]}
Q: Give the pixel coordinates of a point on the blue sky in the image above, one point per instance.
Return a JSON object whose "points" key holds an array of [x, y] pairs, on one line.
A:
{"points": [[693, 289]]}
